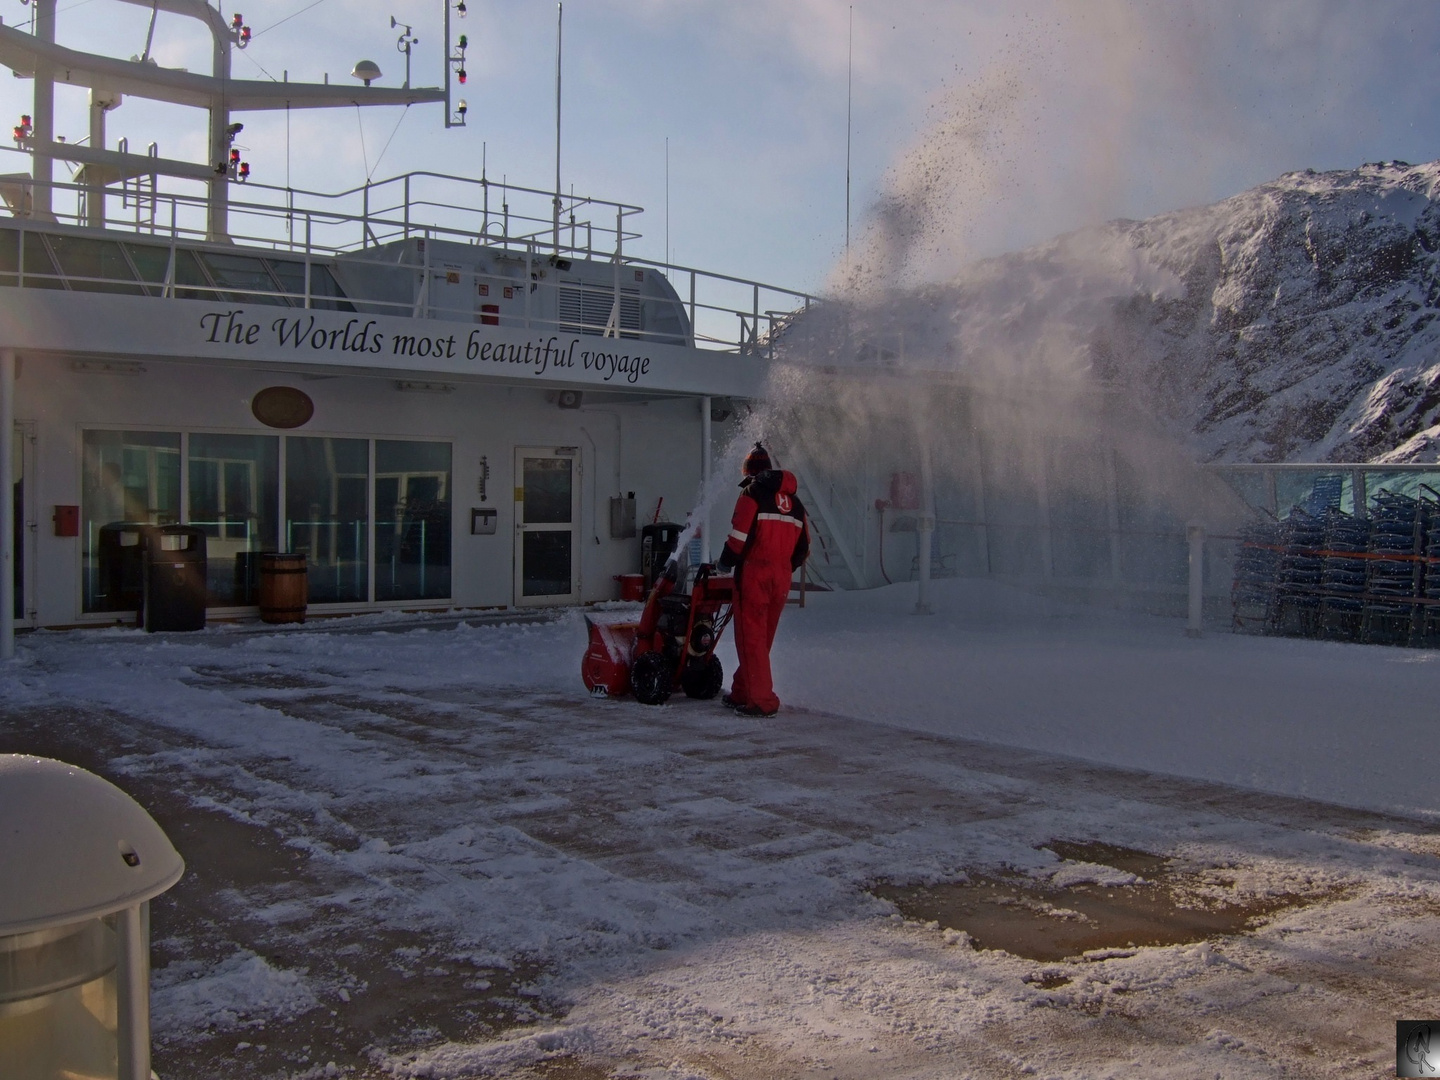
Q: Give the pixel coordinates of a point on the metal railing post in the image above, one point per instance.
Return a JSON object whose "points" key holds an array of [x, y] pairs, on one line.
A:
{"points": [[308, 254], [529, 271]]}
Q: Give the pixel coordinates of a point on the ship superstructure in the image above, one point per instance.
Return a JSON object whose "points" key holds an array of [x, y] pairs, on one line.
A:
{"points": [[442, 390]]}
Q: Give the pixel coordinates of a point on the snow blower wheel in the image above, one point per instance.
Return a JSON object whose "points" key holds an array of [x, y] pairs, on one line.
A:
{"points": [[702, 680], [650, 678]]}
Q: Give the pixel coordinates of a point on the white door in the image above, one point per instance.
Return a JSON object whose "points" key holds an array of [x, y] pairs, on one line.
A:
{"points": [[547, 516]]}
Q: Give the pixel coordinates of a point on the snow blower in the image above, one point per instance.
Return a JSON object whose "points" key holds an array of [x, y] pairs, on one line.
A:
{"points": [[672, 644]]}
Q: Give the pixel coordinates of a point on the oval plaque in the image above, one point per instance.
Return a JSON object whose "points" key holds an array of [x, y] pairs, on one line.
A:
{"points": [[282, 407]]}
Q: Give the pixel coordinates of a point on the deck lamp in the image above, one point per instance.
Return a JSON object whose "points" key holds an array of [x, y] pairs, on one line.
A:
{"points": [[460, 9], [81, 861]]}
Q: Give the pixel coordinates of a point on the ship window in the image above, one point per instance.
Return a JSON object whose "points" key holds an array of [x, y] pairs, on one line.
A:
{"points": [[234, 495], [585, 309], [188, 271], [9, 256], [412, 520], [151, 263], [130, 479], [246, 274], [325, 291], [94, 265], [39, 269], [327, 515]]}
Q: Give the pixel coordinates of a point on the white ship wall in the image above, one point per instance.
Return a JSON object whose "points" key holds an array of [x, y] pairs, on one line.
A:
{"points": [[648, 446]]}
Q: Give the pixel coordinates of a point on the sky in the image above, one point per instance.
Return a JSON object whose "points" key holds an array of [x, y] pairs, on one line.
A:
{"points": [[991, 127]]}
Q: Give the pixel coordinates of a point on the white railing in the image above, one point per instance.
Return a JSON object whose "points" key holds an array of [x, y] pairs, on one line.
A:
{"points": [[726, 313]]}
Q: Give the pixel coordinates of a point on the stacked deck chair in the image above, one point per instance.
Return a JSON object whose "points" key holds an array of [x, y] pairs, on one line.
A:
{"points": [[1257, 570], [1395, 574], [1342, 575]]}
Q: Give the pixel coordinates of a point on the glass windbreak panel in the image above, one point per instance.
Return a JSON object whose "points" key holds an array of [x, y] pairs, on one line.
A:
{"points": [[234, 498], [548, 485], [326, 515], [94, 265], [245, 273], [130, 479], [1313, 492], [325, 291], [1078, 482], [1412, 485], [1154, 552], [412, 520], [1012, 506], [1252, 486], [546, 563], [40, 272]]}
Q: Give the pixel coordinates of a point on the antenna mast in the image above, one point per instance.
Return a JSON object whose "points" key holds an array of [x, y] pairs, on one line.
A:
{"points": [[559, 35]]}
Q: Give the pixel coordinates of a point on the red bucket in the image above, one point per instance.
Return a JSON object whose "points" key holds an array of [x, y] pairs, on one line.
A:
{"points": [[632, 586]]}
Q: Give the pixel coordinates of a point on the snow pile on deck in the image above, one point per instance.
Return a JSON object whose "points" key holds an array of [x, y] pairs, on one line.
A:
{"points": [[457, 864]]}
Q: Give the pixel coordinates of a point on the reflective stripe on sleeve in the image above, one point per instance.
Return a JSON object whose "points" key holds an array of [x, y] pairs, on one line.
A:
{"points": [[738, 536]]}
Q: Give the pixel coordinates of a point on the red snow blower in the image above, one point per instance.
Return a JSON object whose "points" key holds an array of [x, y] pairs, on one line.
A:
{"points": [[673, 643]]}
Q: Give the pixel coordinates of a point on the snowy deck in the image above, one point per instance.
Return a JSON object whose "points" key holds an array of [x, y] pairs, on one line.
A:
{"points": [[417, 848]]}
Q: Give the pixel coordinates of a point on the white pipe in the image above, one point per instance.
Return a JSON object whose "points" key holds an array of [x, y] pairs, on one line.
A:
{"points": [[1195, 533], [7, 504], [705, 467], [925, 521]]}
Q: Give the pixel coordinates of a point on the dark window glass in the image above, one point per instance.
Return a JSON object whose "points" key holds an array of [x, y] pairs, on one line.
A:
{"points": [[546, 563], [412, 520], [234, 497], [94, 265], [244, 273], [188, 271], [547, 491], [9, 256], [40, 270], [325, 291], [130, 479], [326, 515]]}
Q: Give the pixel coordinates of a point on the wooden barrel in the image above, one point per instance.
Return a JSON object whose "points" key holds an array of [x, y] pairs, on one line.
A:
{"points": [[284, 587]]}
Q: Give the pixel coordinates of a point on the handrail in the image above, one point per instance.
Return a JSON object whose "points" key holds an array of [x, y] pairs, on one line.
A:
{"points": [[289, 223]]}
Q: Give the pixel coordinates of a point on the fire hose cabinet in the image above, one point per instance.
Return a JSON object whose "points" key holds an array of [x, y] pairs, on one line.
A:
{"points": [[174, 578], [81, 861]]}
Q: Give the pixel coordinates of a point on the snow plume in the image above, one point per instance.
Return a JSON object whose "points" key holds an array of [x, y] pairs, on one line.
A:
{"points": [[1101, 350]]}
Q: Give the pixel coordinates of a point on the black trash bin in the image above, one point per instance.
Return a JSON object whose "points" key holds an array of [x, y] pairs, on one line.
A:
{"points": [[174, 597], [657, 542], [120, 551]]}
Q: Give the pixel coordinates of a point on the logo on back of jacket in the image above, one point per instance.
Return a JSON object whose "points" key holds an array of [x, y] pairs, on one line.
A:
{"points": [[783, 503]]}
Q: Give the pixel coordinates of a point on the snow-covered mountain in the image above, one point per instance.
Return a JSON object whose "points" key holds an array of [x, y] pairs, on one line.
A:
{"points": [[1293, 322]]}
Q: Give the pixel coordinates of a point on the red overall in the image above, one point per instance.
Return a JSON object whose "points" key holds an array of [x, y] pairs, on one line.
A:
{"points": [[769, 539]]}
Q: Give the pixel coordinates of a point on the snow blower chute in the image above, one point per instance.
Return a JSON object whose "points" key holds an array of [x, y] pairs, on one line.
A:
{"points": [[672, 644]]}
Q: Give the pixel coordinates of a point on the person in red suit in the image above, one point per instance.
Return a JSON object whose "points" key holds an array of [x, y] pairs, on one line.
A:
{"points": [[769, 540]]}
